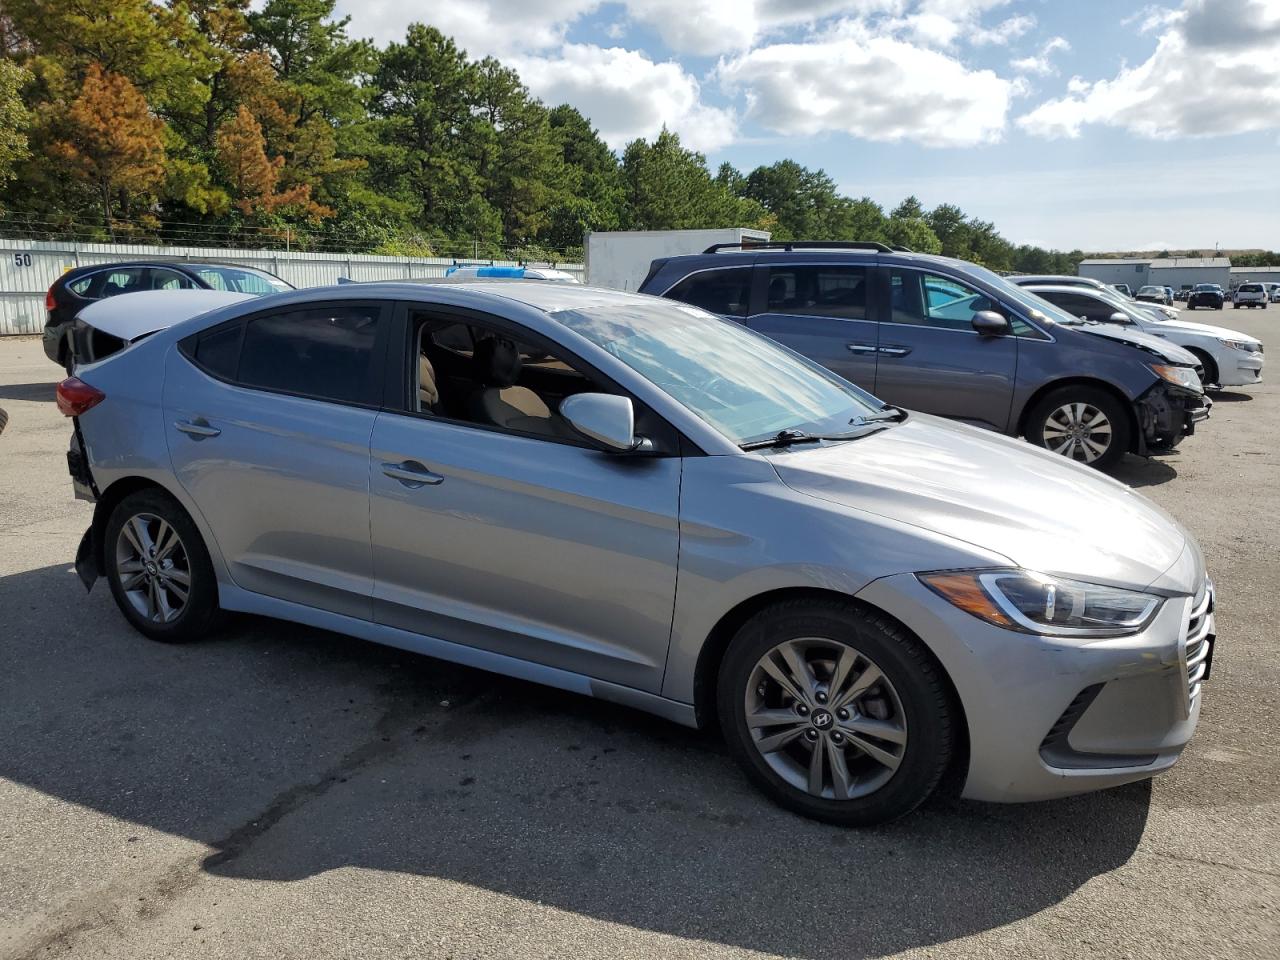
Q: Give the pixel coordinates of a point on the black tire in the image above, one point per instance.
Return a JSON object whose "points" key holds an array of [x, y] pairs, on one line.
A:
{"points": [[917, 682], [199, 615], [1115, 412], [1210, 366]]}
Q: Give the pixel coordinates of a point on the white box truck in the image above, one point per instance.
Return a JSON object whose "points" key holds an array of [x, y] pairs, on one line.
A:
{"points": [[620, 259]]}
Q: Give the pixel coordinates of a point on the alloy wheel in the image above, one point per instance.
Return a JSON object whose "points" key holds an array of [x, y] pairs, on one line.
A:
{"points": [[154, 570], [1079, 431], [825, 718]]}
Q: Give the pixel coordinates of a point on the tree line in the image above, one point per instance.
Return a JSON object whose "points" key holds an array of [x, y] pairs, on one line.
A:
{"points": [[158, 121]]}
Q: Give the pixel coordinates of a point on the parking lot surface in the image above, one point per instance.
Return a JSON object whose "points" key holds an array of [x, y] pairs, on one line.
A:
{"points": [[285, 792]]}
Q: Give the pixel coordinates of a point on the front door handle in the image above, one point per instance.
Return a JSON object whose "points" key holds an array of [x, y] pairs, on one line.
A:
{"points": [[197, 429], [861, 347], [412, 474], [895, 351]]}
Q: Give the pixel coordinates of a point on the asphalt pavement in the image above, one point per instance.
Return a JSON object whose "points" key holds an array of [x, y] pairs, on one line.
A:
{"points": [[285, 792]]}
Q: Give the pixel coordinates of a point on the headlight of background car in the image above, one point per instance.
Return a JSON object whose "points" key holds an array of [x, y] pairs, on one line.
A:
{"points": [[1179, 376], [1038, 603], [1248, 346]]}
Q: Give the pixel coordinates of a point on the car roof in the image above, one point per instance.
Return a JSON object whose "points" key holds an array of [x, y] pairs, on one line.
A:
{"points": [[187, 265]]}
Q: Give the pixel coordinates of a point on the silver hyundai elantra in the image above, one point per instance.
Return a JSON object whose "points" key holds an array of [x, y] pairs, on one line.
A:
{"points": [[629, 498]]}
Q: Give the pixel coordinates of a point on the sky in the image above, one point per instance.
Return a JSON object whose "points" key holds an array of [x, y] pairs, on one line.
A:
{"points": [[1090, 124]]}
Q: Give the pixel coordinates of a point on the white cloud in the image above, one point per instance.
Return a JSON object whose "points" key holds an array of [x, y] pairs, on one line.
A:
{"points": [[871, 86], [1041, 64], [627, 95], [494, 27], [1215, 70]]}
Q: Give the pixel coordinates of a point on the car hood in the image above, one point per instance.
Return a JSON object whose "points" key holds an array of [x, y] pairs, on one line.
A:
{"points": [[133, 315], [1208, 329], [1113, 331], [1040, 511]]}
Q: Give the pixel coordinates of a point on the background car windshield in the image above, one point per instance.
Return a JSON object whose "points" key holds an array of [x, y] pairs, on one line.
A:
{"points": [[239, 280], [745, 386]]}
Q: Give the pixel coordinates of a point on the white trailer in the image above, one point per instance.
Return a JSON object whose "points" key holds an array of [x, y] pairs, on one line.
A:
{"points": [[620, 259]]}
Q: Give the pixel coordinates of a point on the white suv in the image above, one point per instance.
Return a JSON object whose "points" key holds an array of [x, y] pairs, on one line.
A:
{"points": [[1251, 295]]}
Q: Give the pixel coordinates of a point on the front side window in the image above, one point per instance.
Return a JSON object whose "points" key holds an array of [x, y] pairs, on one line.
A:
{"points": [[240, 280], [322, 352], [930, 300], [818, 291], [476, 374], [726, 292], [742, 384]]}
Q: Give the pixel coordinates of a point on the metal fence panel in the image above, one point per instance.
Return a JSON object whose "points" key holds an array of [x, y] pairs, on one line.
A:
{"points": [[28, 267]]}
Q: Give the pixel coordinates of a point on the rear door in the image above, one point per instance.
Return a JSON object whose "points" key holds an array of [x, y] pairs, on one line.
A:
{"points": [[820, 310], [268, 422], [930, 357]]}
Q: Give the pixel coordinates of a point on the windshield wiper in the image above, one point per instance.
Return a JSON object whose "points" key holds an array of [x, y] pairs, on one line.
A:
{"points": [[787, 438], [889, 414]]}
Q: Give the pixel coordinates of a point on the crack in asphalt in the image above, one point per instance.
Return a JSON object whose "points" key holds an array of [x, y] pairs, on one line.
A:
{"points": [[104, 908]]}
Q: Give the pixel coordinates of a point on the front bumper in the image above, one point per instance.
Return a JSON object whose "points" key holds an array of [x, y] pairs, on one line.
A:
{"points": [[1053, 717], [1247, 369], [1166, 414]]}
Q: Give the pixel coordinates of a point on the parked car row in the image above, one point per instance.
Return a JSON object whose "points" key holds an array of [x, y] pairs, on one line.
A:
{"points": [[633, 498]]}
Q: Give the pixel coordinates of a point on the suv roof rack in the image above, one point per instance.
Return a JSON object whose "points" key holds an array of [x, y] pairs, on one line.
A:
{"points": [[802, 245]]}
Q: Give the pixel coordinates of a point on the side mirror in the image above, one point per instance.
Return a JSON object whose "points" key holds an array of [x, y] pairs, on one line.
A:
{"points": [[988, 323], [605, 419], [1118, 317]]}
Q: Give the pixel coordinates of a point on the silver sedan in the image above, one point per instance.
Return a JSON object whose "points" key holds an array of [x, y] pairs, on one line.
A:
{"points": [[629, 498]]}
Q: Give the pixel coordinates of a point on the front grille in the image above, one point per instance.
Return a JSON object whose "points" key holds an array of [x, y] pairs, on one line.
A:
{"points": [[1198, 645]]}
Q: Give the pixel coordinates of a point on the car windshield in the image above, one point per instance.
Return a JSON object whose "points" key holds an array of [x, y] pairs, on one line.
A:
{"points": [[1205, 287], [1152, 290], [241, 280], [745, 386]]}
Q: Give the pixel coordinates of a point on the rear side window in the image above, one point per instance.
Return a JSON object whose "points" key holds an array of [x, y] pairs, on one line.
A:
{"points": [[818, 291], [219, 351], [726, 292], [129, 280], [326, 353]]}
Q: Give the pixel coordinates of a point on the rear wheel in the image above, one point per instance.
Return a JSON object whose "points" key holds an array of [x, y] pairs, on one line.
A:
{"points": [[1082, 423], [158, 568], [835, 712]]}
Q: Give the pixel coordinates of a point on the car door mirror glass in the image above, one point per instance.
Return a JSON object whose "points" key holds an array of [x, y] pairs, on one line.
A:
{"points": [[603, 418], [988, 323], [1118, 317]]}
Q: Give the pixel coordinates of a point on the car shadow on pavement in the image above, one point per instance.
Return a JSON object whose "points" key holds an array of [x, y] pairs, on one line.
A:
{"points": [[291, 751], [1142, 471], [1221, 397], [28, 391]]}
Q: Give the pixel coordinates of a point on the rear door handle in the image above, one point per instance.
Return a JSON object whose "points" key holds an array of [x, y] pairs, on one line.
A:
{"points": [[412, 474], [861, 347], [895, 351], [198, 428]]}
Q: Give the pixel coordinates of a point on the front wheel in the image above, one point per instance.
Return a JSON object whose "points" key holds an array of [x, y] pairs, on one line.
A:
{"points": [[158, 568], [836, 712], [1081, 423]]}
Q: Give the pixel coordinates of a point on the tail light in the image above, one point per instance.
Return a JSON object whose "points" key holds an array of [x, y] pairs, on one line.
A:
{"points": [[75, 397], [50, 301]]}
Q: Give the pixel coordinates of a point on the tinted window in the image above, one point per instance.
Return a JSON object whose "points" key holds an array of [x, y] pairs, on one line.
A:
{"points": [[219, 351], [818, 291], [727, 292], [1079, 305], [926, 299], [115, 282], [170, 280], [81, 286], [1250, 288], [325, 353]]}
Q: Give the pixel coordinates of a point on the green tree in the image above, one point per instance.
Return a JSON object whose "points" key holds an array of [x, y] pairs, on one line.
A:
{"points": [[15, 118], [806, 202]]}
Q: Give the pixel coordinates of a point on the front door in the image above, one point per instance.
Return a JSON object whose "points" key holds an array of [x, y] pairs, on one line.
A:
{"points": [[495, 526], [820, 311], [930, 357], [268, 423]]}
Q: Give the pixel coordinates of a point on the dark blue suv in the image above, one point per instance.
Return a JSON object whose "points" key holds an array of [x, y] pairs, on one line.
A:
{"points": [[951, 338]]}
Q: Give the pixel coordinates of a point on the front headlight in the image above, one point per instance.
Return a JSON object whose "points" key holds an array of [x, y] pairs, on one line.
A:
{"points": [[1042, 604], [1248, 346], [1185, 377]]}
